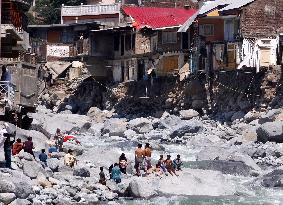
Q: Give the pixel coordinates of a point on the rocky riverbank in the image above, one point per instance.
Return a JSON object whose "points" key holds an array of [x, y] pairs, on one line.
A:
{"points": [[214, 152]]}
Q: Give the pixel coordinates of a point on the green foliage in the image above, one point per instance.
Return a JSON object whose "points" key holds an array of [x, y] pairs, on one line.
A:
{"points": [[49, 11]]}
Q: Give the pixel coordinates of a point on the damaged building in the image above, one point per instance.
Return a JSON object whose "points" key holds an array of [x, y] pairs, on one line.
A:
{"points": [[232, 35]]}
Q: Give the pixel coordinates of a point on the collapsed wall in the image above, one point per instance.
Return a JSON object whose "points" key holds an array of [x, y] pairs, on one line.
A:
{"points": [[237, 90]]}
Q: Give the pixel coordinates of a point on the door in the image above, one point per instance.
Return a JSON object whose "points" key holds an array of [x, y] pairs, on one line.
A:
{"points": [[122, 45], [185, 41], [140, 69]]}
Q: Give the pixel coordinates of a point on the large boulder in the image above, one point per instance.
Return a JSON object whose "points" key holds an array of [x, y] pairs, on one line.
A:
{"points": [[270, 116], [77, 149], [199, 181], [270, 131], [20, 202], [115, 127], [81, 172], [7, 198], [32, 168], [168, 121], [53, 164], [273, 179], [184, 127], [140, 125], [141, 188], [188, 114], [48, 122], [226, 167], [15, 182]]}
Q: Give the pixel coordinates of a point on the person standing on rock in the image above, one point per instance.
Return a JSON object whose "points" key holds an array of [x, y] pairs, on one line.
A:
{"points": [[147, 159], [17, 147], [116, 173], [123, 163], [69, 159], [43, 158], [8, 150], [28, 146], [139, 156], [169, 165], [102, 178], [59, 140]]}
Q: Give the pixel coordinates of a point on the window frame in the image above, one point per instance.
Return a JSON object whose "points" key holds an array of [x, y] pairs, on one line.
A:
{"points": [[165, 35], [202, 30]]}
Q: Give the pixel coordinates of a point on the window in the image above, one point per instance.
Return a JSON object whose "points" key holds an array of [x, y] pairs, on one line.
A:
{"points": [[169, 37], [206, 30], [116, 42], [128, 42]]}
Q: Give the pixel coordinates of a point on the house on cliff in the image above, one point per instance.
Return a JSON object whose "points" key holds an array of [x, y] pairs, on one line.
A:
{"points": [[117, 47], [235, 34]]}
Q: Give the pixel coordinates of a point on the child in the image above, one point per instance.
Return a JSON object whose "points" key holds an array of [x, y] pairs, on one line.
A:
{"points": [[43, 158]]}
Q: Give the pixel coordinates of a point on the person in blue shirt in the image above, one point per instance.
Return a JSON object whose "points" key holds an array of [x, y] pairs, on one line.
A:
{"points": [[116, 173], [43, 158], [178, 163]]}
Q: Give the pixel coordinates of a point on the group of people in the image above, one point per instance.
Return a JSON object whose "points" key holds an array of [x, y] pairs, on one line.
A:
{"points": [[142, 162], [13, 147]]}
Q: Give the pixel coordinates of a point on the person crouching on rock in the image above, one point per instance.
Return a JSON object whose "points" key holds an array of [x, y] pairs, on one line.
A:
{"points": [[161, 164], [139, 156], [123, 163], [116, 173], [28, 146], [177, 163], [102, 178], [169, 165], [17, 147], [69, 159], [147, 159]]}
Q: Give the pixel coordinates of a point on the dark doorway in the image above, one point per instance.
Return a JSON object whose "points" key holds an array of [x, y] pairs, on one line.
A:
{"points": [[185, 41], [140, 69], [122, 45], [123, 72]]}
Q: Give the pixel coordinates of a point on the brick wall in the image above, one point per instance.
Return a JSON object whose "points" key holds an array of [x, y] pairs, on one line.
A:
{"points": [[262, 18]]}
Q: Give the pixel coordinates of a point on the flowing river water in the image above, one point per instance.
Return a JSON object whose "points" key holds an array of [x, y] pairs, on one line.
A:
{"points": [[248, 191]]}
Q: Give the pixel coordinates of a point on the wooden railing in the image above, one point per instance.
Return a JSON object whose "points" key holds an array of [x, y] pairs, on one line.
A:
{"points": [[84, 10]]}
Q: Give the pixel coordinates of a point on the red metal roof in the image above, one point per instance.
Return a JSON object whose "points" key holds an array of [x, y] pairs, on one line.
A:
{"points": [[157, 18]]}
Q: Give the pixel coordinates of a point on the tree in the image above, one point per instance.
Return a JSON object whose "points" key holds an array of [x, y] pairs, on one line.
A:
{"points": [[49, 11]]}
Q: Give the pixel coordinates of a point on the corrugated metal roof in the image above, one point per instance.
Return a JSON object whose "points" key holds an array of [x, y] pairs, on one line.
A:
{"points": [[236, 4], [158, 18]]}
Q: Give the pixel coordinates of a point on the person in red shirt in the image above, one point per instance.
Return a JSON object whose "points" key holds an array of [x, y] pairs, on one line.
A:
{"points": [[17, 147]]}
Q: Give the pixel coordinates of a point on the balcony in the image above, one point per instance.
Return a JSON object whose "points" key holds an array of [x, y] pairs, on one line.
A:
{"points": [[90, 10]]}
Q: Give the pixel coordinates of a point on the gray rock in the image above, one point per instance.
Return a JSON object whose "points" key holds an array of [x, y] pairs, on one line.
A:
{"points": [[188, 114], [129, 134], [184, 127], [20, 202], [226, 167], [251, 116], [25, 156], [77, 149], [82, 172], [168, 121], [15, 182], [141, 189], [7, 198], [269, 116], [96, 129], [32, 169], [140, 125], [237, 116], [270, 131], [273, 179], [115, 127], [53, 164]]}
